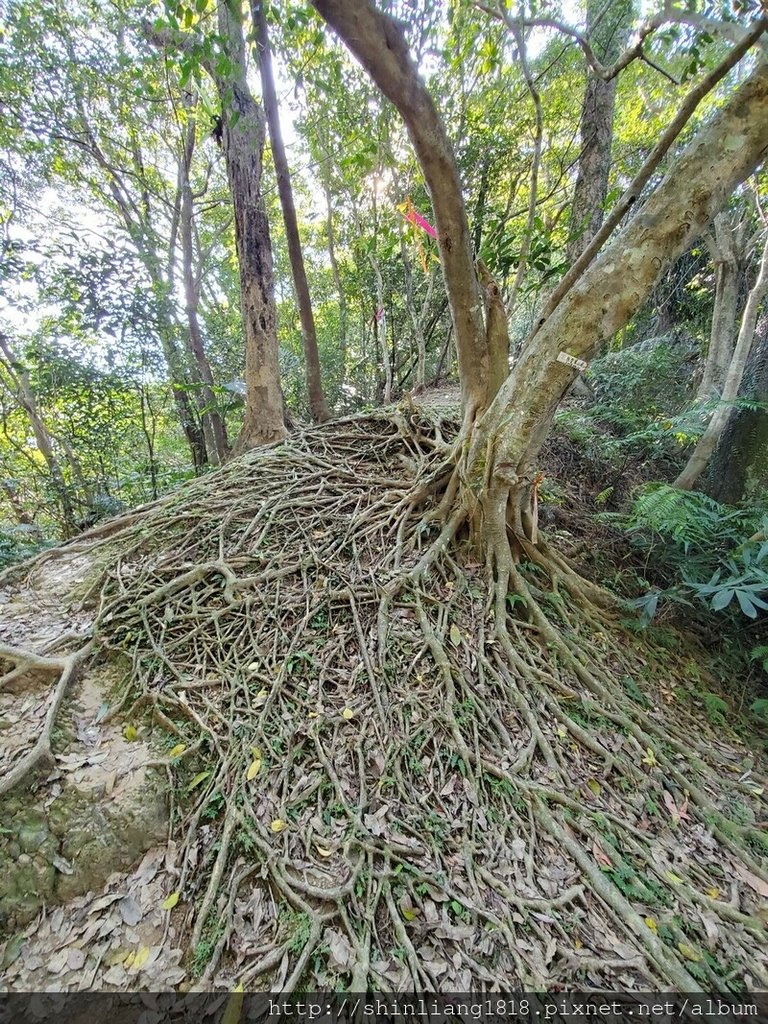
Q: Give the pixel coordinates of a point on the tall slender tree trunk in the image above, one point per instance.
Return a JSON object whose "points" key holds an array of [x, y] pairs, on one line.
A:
{"points": [[380, 330], [242, 141], [213, 425], [18, 379], [722, 336], [340, 293], [418, 317], [607, 29], [317, 403], [191, 428], [149, 429], [697, 463], [138, 224], [739, 465]]}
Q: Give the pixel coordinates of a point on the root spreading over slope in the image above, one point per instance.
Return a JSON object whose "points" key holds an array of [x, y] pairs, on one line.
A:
{"points": [[387, 775]]}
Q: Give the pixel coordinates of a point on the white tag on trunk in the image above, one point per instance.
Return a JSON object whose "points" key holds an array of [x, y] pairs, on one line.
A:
{"points": [[569, 360]]}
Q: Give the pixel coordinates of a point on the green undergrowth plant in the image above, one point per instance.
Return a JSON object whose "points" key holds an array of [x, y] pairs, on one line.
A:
{"points": [[706, 551], [18, 542], [713, 559], [640, 394], [641, 382]]}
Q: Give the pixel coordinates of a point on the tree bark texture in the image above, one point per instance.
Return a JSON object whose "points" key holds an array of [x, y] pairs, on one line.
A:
{"points": [[377, 41], [317, 404], [607, 29], [509, 436], [697, 463], [724, 245], [242, 141]]}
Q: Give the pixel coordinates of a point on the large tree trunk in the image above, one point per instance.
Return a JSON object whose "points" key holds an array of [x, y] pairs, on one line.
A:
{"points": [[508, 438], [607, 29], [697, 463], [213, 425], [499, 461], [377, 41], [317, 404], [738, 468], [242, 141]]}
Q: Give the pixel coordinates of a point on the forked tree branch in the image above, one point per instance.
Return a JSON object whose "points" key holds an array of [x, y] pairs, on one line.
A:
{"points": [[632, 193]]}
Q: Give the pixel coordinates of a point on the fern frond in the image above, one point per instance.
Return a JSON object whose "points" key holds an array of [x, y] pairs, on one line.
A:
{"points": [[691, 519]]}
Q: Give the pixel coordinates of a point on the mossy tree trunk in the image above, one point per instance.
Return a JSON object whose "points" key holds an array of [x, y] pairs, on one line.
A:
{"points": [[739, 465]]}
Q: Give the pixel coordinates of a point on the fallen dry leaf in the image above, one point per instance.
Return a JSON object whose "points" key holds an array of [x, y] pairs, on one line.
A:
{"points": [[601, 856], [752, 881]]}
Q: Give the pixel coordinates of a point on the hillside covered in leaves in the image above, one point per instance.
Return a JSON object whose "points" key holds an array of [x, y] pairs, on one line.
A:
{"points": [[383, 497]]}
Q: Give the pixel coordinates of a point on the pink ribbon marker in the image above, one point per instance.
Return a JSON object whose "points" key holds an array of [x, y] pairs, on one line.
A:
{"points": [[416, 218]]}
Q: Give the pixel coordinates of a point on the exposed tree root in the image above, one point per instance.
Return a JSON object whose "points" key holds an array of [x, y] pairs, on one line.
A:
{"points": [[442, 773], [66, 667]]}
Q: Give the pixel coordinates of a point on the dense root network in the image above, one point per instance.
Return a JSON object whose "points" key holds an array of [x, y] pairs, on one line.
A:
{"points": [[387, 772]]}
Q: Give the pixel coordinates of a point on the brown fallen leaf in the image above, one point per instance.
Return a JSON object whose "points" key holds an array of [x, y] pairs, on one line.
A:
{"points": [[601, 856], [677, 814], [130, 911], [75, 959], [342, 955], [752, 880]]}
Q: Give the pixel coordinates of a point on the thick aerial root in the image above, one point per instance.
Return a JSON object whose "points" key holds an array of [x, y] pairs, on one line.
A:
{"points": [[25, 661], [402, 772]]}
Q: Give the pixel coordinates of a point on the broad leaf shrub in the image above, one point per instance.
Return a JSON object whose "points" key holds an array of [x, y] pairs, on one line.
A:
{"points": [[716, 553]]}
